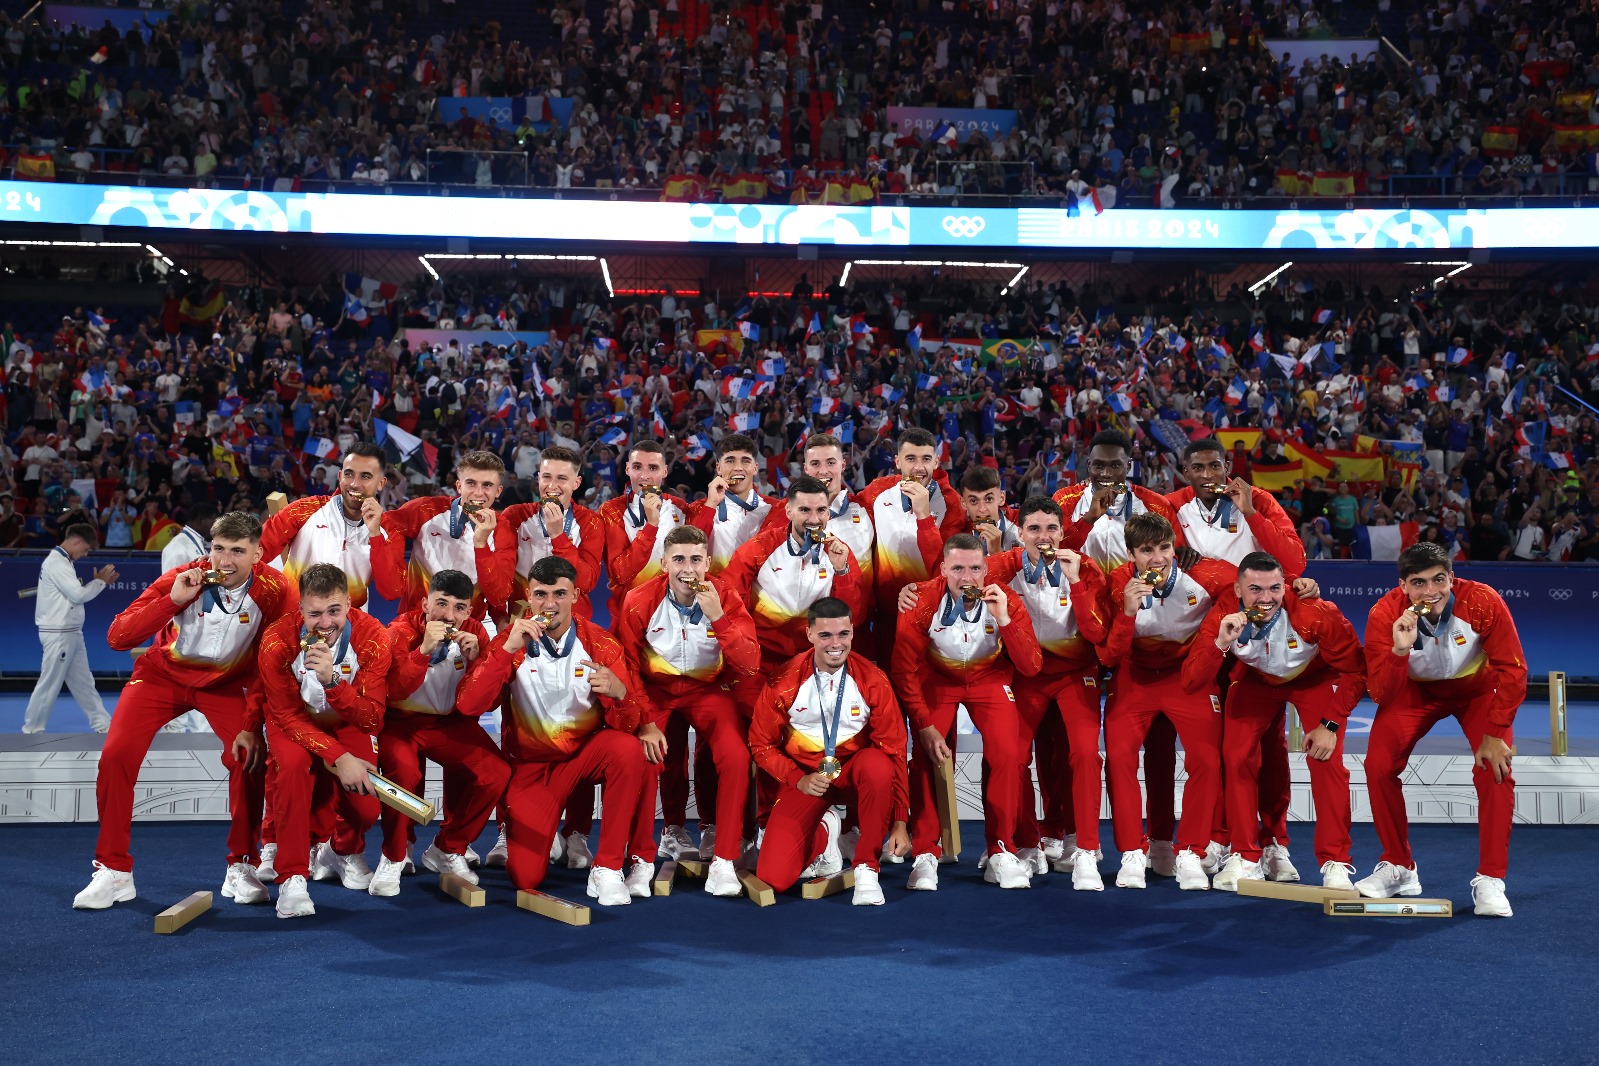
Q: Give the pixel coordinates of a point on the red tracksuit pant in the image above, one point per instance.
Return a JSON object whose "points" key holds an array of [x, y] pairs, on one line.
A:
{"points": [[538, 791], [1071, 764], [720, 730], [1132, 706], [1255, 710], [1394, 733], [147, 703], [675, 777], [993, 712], [301, 784], [457, 743], [1160, 784], [795, 835]]}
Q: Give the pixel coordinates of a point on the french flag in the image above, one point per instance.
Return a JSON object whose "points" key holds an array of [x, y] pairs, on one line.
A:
{"points": [[1270, 410], [604, 342], [830, 375], [816, 324], [857, 324], [616, 438], [750, 331], [773, 367], [845, 432], [1459, 356], [1558, 460], [699, 446], [927, 381], [1236, 391], [95, 381], [1119, 402], [914, 338], [1323, 316], [1441, 394], [321, 448], [1178, 341], [1531, 436], [738, 388], [824, 405], [658, 424], [1411, 383], [745, 423], [1257, 339], [890, 393]]}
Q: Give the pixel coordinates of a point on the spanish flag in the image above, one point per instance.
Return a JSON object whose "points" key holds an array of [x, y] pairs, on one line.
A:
{"points": [[746, 188], [1333, 183], [1500, 141], [680, 188], [1315, 464], [202, 308], [1410, 473], [1275, 477], [1231, 438], [1359, 466], [1293, 183], [40, 166]]}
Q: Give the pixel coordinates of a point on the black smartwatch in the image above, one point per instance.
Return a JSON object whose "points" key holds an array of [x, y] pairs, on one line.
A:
{"points": [[1329, 725]]}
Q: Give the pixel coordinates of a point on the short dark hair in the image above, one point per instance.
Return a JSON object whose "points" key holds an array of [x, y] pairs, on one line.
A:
{"points": [[822, 440], [550, 569], [1259, 563], [1208, 444], [826, 607], [737, 442], [1034, 504], [916, 437], [964, 542], [237, 525], [82, 531], [979, 479], [1147, 530], [1421, 557], [805, 484], [366, 450], [652, 447], [453, 583], [201, 517], [1111, 438], [323, 579], [684, 534], [557, 453]]}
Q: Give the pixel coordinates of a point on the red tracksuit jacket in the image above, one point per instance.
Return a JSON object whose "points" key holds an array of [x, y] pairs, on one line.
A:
{"points": [[1159, 654], [779, 627], [515, 535], [359, 703], [1017, 651], [408, 666], [1270, 529], [675, 665]]}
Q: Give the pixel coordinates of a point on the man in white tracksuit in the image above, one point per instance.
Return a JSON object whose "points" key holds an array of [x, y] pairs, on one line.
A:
{"points": [[58, 613]]}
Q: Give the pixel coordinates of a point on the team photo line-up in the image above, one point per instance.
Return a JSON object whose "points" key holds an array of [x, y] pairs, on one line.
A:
{"points": [[827, 640]]}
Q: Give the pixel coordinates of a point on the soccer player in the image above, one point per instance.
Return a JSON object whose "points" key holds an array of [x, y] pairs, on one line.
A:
{"points": [[454, 533], [1439, 646], [983, 504], [431, 651], [324, 683], [732, 511], [1284, 650], [828, 728], [913, 511], [575, 709], [554, 525], [204, 657], [688, 636], [962, 644], [847, 519], [636, 523], [1157, 610]]}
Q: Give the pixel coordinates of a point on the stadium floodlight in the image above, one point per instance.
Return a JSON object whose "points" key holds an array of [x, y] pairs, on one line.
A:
{"points": [[1254, 290], [605, 272]]}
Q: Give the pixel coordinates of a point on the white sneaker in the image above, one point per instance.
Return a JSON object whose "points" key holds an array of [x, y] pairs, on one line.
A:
{"points": [[848, 843], [888, 856], [1162, 858], [472, 858], [1085, 872], [1236, 868], [320, 863], [243, 885], [1190, 874], [1054, 850], [722, 879], [982, 862], [1488, 895], [293, 899], [557, 848], [1008, 871], [608, 887], [106, 887], [1336, 875], [924, 873], [868, 892], [1134, 866], [640, 874], [500, 852], [675, 843], [1390, 880], [1274, 860], [408, 866], [353, 872], [831, 861], [1033, 859], [267, 870], [386, 878], [442, 862], [708, 843], [1215, 855], [578, 856]]}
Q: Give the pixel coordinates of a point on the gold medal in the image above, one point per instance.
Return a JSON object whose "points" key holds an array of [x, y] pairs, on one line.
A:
{"points": [[830, 767], [1256, 614], [211, 578]]}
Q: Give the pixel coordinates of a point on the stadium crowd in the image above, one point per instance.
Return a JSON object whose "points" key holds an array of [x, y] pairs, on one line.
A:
{"points": [[1141, 101], [1457, 416]]}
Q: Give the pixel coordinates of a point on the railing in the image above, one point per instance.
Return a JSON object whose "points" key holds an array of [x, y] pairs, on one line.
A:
{"points": [[450, 166]]}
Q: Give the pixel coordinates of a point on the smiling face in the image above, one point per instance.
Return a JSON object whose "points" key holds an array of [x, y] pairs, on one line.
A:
{"points": [[807, 510], [983, 504], [831, 639], [326, 614], [442, 607], [963, 568], [1040, 529], [685, 564], [555, 600], [480, 487], [1108, 465], [646, 470], [1153, 557], [559, 478], [916, 462], [827, 465], [1260, 592], [234, 558], [738, 470], [1207, 472], [360, 476], [1431, 587]]}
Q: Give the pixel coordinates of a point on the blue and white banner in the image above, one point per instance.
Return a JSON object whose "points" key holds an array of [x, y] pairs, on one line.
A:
{"points": [[507, 112], [927, 121], [397, 214]]}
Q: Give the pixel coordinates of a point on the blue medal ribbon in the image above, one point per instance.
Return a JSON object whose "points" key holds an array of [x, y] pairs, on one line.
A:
{"points": [[1428, 627], [458, 519], [566, 648], [568, 519], [1034, 575], [956, 608], [721, 508], [340, 649], [1252, 631], [212, 596], [830, 735], [1164, 590], [690, 614]]}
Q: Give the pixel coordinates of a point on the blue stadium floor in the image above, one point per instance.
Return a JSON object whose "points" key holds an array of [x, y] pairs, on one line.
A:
{"points": [[1532, 726], [969, 974]]}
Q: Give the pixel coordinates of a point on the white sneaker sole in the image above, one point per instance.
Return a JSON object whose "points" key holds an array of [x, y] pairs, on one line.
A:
{"points": [[247, 898], [1088, 886], [306, 913], [1490, 912], [1122, 882], [874, 899], [126, 895]]}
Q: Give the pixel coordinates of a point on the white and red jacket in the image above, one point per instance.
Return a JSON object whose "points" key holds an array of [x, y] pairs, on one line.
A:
{"points": [[944, 643], [908, 549], [1152, 642], [1105, 540], [634, 547], [677, 653], [429, 523], [733, 522], [1070, 619], [1221, 532], [314, 529], [303, 708], [1472, 650], [427, 683], [579, 539], [780, 584]]}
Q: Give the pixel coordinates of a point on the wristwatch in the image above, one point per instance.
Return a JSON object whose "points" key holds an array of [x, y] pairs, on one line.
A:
{"points": [[1329, 725], [338, 679]]}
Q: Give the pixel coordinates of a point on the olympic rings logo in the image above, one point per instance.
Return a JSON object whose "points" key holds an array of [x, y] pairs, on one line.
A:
{"points": [[963, 225], [1560, 594]]}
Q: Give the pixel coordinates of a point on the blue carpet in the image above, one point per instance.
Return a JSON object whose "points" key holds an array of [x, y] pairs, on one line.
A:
{"points": [[970, 974]]}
